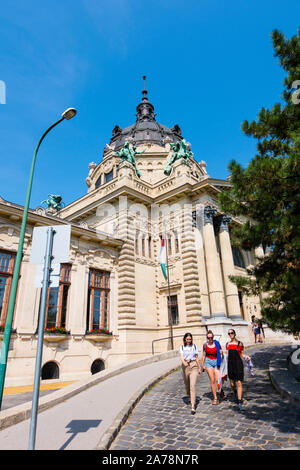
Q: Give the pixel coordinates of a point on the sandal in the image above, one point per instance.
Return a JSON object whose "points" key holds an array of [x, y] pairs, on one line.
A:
{"points": [[215, 401]]}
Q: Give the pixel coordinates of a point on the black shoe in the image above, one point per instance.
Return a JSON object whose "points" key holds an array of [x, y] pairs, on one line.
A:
{"points": [[193, 411], [222, 394]]}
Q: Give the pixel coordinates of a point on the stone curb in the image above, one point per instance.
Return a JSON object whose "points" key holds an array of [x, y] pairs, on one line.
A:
{"points": [[21, 412], [283, 381], [112, 432]]}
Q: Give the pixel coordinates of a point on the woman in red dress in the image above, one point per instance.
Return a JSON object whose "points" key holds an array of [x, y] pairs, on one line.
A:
{"points": [[235, 350]]}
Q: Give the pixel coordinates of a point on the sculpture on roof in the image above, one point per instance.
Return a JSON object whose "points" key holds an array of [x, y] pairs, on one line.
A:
{"points": [[180, 150], [54, 201], [128, 154]]}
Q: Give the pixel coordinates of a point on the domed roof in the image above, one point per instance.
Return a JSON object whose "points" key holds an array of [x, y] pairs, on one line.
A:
{"points": [[145, 129]]}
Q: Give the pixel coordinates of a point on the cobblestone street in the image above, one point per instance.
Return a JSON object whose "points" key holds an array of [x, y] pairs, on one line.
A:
{"points": [[162, 419]]}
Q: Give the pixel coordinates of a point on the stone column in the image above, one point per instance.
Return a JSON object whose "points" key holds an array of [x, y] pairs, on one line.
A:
{"points": [[213, 268], [231, 291]]}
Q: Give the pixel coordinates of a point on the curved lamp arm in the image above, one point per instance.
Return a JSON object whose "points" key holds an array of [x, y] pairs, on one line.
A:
{"points": [[68, 114]]}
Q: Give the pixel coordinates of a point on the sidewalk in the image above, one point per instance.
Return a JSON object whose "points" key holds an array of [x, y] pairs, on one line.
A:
{"points": [[82, 421], [14, 396]]}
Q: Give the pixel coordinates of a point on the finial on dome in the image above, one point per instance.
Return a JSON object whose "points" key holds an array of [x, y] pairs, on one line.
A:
{"points": [[144, 90], [145, 110]]}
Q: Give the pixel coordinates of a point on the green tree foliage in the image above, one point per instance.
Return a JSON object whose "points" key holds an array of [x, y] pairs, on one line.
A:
{"points": [[267, 193]]}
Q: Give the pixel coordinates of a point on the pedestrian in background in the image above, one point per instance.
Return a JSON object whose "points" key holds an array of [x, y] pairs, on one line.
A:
{"points": [[259, 331], [211, 361], [253, 326], [235, 350], [190, 368]]}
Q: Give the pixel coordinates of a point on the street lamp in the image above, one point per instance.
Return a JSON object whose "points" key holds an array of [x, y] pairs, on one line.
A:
{"points": [[67, 114]]}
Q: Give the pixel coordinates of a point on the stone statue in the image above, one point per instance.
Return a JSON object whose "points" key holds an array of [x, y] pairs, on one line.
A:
{"points": [[180, 150], [54, 201], [128, 154]]}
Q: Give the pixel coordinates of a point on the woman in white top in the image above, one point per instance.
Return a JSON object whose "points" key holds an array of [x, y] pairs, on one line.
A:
{"points": [[190, 368]]}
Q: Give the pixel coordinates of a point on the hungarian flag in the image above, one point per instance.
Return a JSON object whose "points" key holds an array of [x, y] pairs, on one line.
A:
{"points": [[163, 257]]}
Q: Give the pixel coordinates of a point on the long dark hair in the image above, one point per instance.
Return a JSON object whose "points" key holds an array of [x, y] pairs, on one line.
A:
{"points": [[185, 337]]}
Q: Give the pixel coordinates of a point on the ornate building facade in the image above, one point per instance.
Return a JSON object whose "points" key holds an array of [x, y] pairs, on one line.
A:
{"points": [[113, 303]]}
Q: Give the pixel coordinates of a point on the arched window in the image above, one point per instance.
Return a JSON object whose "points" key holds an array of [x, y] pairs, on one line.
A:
{"points": [[98, 182], [50, 370], [238, 257], [97, 366]]}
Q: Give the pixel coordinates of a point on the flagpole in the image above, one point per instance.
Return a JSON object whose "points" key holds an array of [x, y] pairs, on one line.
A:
{"points": [[169, 295]]}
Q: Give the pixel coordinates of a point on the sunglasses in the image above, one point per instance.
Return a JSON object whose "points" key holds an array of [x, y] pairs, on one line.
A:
{"points": [[231, 333], [210, 337]]}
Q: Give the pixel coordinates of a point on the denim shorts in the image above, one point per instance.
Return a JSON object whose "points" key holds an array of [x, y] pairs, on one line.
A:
{"points": [[210, 363]]}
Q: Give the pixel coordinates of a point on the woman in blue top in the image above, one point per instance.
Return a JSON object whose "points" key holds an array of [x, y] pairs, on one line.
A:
{"points": [[211, 361]]}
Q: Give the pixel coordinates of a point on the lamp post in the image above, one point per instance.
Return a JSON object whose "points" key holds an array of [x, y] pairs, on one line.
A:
{"points": [[68, 114]]}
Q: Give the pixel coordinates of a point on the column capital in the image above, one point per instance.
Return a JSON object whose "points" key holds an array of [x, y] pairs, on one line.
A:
{"points": [[209, 213], [222, 222]]}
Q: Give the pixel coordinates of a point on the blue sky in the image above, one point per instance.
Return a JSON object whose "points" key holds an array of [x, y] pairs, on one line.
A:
{"points": [[209, 66]]}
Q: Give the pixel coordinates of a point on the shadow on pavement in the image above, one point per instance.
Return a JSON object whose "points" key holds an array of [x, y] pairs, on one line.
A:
{"points": [[79, 425]]}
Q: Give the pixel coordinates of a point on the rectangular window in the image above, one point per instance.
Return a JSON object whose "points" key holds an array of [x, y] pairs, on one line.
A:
{"points": [[108, 176], [57, 300], [169, 246], [7, 261], [173, 305], [176, 244], [238, 259], [194, 218], [98, 300], [137, 235], [143, 246], [149, 247]]}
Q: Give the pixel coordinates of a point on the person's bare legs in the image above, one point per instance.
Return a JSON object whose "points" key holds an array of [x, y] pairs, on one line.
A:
{"points": [[212, 378]]}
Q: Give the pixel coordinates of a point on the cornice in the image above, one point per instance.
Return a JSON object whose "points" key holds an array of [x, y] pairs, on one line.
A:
{"points": [[35, 219]]}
